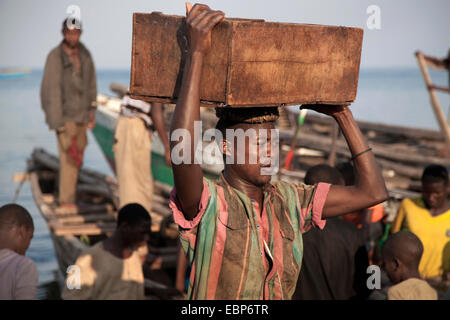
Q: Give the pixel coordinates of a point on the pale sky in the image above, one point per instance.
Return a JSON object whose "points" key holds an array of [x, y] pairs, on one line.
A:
{"points": [[29, 29]]}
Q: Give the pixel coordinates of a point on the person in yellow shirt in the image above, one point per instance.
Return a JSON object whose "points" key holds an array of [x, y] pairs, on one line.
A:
{"points": [[428, 217]]}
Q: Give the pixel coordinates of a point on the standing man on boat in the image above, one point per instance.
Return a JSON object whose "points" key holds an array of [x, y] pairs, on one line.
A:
{"points": [[132, 149], [68, 98]]}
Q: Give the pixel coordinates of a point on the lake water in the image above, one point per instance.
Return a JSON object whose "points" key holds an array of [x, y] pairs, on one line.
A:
{"points": [[387, 96]]}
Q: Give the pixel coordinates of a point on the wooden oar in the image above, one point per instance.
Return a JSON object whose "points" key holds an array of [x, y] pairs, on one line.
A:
{"points": [[290, 155], [445, 129]]}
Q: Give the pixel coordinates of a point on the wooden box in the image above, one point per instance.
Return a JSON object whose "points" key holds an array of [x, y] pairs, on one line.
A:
{"points": [[251, 62]]}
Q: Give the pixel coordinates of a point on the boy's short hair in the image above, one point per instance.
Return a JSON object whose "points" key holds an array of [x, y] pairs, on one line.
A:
{"points": [[133, 214], [405, 246], [14, 215], [230, 116], [435, 173], [323, 173], [348, 172]]}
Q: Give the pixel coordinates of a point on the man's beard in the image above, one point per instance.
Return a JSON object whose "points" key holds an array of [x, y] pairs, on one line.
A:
{"points": [[69, 45]]}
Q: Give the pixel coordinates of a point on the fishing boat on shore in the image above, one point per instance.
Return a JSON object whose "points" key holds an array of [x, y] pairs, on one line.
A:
{"points": [[7, 73], [401, 152], [94, 219], [108, 110]]}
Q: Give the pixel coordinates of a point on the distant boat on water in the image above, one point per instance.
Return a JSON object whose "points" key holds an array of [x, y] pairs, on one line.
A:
{"points": [[14, 72]]}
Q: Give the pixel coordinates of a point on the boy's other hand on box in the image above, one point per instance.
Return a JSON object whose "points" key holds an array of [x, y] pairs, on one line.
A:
{"points": [[200, 20]]}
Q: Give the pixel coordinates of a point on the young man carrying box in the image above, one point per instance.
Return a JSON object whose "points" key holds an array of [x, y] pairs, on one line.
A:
{"points": [[243, 234]]}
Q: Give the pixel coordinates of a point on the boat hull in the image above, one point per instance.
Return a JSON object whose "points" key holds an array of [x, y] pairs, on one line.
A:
{"points": [[104, 135]]}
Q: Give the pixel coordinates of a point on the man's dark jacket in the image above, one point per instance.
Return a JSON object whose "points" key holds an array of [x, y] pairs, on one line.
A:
{"points": [[66, 95]]}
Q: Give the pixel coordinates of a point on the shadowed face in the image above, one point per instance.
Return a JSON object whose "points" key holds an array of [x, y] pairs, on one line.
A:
{"points": [[435, 194], [24, 235], [256, 159], [392, 267], [71, 37], [136, 235]]}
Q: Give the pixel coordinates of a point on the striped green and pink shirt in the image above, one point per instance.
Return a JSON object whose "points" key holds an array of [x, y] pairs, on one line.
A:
{"points": [[238, 252]]}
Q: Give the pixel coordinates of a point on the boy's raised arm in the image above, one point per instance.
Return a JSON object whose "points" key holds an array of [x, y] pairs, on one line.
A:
{"points": [[188, 178], [369, 188]]}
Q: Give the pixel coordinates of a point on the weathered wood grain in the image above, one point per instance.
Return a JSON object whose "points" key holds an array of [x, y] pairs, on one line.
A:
{"points": [[250, 63]]}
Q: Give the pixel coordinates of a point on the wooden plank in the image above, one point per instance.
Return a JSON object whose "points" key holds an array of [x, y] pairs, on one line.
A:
{"points": [[401, 194], [286, 63], [48, 198], [100, 228], [163, 201], [390, 162], [398, 168], [171, 233], [161, 209], [164, 188], [299, 175], [445, 129], [84, 209], [314, 141], [97, 189], [409, 132], [78, 219], [95, 208], [45, 209], [251, 62], [80, 229], [40, 156], [334, 136], [440, 88], [163, 250], [21, 176], [61, 253]]}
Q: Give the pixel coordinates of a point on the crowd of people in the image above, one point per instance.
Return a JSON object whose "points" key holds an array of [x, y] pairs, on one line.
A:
{"points": [[242, 236]]}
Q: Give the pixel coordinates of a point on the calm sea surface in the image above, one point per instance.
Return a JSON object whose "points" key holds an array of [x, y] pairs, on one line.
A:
{"points": [[387, 96]]}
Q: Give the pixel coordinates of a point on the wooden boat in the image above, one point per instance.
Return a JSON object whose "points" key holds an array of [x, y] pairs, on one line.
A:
{"points": [[95, 219], [7, 73], [401, 152], [107, 113]]}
